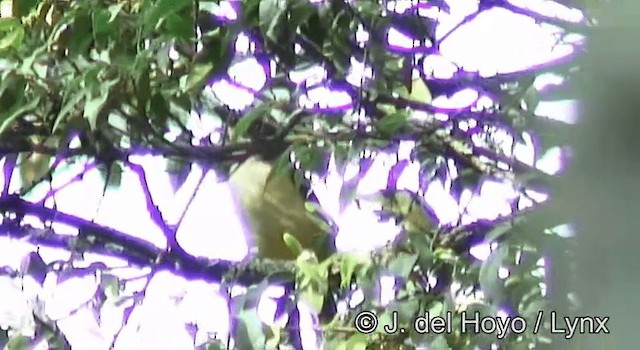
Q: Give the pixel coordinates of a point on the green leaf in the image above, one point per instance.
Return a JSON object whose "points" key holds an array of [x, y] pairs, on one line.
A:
{"points": [[93, 106], [143, 89], [444, 254], [248, 331], [9, 24], [311, 207], [403, 264], [18, 111], [81, 37], [11, 91], [18, 342], [66, 109], [90, 81], [300, 13], [217, 345], [179, 26], [115, 175], [407, 309], [498, 231], [156, 12], [114, 10], [439, 343], [100, 20], [348, 266], [357, 341], [25, 7], [389, 124], [292, 243], [492, 286], [198, 77], [159, 108], [242, 126], [311, 158], [12, 39], [270, 14], [436, 308]]}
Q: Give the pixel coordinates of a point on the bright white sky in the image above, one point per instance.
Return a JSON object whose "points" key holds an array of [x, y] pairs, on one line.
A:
{"points": [[495, 41]]}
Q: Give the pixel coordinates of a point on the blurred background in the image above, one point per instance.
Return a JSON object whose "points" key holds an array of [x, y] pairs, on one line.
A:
{"points": [[601, 188]]}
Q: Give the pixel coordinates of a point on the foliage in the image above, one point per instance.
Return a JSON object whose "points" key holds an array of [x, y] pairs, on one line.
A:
{"points": [[122, 75]]}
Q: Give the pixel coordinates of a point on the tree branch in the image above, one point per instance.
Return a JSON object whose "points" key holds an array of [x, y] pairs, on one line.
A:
{"points": [[108, 241]]}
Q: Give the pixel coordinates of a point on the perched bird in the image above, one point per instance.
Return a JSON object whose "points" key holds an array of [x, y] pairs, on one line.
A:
{"points": [[416, 215], [273, 205]]}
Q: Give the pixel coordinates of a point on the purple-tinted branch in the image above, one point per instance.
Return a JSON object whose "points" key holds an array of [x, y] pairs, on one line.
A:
{"points": [[152, 208], [15, 204], [136, 251], [473, 79], [191, 198], [45, 237], [464, 21], [7, 169], [198, 154]]}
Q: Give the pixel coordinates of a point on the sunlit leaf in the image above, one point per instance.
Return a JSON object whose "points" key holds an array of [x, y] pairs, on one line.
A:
{"points": [[217, 345], [12, 39], [9, 24], [18, 342], [292, 243], [114, 10], [348, 265]]}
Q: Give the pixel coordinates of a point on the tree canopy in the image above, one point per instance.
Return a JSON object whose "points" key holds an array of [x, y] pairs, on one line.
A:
{"points": [[98, 82]]}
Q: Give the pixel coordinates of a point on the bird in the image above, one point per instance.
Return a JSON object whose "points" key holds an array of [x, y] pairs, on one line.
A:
{"points": [[416, 215], [272, 206]]}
